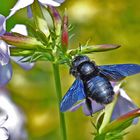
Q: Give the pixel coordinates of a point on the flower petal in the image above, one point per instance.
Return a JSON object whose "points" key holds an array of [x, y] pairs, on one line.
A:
{"points": [[25, 65], [2, 24], [16, 118], [75, 107], [20, 28], [4, 135], [29, 11], [5, 74], [19, 5], [3, 117], [95, 108], [4, 53], [51, 2], [124, 105], [124, 95]]}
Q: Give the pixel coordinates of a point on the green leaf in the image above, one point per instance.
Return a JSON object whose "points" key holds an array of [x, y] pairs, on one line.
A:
{"points": [[122, 122], [37, 34], [20, 52], [100, 120], [114, 130], [100, 137], [115, 135]]}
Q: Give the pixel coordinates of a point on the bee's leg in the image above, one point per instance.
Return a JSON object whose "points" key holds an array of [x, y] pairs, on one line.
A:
{"points": [[89, 106]]}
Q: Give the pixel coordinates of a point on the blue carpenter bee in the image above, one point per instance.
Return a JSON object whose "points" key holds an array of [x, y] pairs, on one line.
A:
{"points": [[93, 81]]}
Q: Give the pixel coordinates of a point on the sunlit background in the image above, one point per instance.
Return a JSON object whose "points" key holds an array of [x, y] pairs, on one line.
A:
{"points": [[93, 22]]}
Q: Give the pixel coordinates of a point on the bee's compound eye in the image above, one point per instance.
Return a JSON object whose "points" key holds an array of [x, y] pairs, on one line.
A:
{"points": [[73, 72]]}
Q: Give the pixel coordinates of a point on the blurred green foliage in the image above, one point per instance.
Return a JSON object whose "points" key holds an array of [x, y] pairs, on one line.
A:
{"points": [[95, 22]]}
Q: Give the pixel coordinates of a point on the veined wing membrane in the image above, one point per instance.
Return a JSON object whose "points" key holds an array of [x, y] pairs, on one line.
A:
{"points": [[75, 93], [120, 71]]}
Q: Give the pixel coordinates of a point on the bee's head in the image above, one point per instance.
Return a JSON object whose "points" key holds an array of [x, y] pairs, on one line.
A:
{"points": [[77, 61]]}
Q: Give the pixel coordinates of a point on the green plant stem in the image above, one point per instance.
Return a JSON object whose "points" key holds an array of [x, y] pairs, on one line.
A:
{"points": [[59, 96], [108, 113]]}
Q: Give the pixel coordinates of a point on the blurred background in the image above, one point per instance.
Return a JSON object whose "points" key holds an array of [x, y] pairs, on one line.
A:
{"points": [[95, 22]]}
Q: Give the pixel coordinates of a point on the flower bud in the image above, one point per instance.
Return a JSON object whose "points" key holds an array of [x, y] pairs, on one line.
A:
{"points": [[93, 48], [98, 48], [65, 36], [56, 19], [21, 41]]}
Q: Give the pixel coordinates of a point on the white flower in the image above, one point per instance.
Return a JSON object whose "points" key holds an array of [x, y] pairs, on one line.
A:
{"points": [[15, 120], [5, 65], [4, 134], [2, 24], [25, 3]]}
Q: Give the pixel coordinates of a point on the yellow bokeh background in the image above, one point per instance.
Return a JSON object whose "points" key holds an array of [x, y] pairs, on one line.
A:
{"points": [[92, 21]]}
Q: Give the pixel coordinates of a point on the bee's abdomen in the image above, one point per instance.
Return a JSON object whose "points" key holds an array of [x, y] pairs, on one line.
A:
{"points": [[99, 89]]}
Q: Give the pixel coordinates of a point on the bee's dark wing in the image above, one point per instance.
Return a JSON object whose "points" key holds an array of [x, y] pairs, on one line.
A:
{"points": [[75, 93], [120, 71]]}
